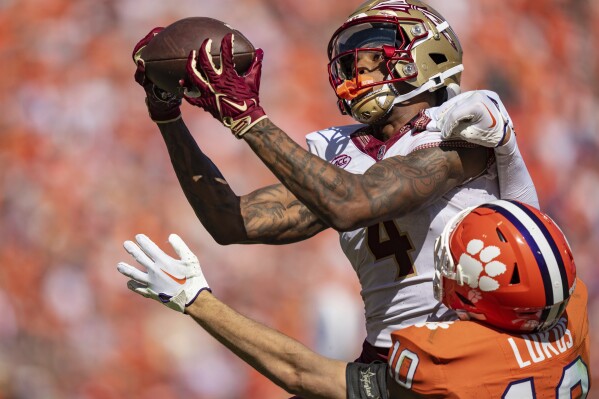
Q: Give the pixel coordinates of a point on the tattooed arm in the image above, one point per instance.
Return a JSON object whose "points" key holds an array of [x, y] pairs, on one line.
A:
{"points": [[271, 215], [391, 188]]}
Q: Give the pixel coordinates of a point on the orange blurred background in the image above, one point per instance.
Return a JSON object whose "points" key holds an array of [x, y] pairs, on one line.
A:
{"points": [[82, 169]]}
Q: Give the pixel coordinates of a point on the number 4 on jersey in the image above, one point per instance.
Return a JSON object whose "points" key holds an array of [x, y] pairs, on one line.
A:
{"points": [[386, 240]]}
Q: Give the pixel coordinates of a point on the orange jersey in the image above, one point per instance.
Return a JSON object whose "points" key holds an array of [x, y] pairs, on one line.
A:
{"points": [[465, 359]]}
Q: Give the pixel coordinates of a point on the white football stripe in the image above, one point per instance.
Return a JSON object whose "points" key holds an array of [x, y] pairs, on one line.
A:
{"points": [[543, 244]]}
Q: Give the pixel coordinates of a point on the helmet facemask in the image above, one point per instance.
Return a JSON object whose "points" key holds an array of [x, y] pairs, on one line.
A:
{"points": [[445, 266], [416, 55]]}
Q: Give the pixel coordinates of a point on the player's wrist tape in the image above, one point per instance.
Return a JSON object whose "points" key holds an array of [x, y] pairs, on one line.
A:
{"points": [[366, 381]]}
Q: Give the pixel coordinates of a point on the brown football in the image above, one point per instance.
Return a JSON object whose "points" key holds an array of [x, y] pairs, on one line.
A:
{"points": [[166, 55]]}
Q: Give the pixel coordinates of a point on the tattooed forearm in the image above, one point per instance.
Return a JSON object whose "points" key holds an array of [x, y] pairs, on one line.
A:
{"points": [[270, 215], [319, 185], [406, 183], [276, 216], [389, 189]]}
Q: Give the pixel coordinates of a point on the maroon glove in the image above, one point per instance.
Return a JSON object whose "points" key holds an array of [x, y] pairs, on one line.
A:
{"points": [[230, 98], [162, 106]]}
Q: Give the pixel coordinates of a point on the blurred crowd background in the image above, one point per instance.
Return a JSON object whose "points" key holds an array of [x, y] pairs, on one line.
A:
{"points": [[82, 169]]}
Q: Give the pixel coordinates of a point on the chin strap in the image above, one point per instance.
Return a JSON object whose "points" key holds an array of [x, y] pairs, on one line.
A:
{"points": [[433, 83]]}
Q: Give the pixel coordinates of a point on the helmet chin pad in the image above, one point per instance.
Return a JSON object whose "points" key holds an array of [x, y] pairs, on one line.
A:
{"points": [[378, 103], [373, 106]]}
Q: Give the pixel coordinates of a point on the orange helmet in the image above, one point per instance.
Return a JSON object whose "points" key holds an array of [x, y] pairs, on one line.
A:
{"points": [[506, 264]]}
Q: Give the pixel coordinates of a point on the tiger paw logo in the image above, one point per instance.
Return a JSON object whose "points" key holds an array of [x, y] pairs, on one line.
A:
{"points": [[479, 263], [434, 325]]}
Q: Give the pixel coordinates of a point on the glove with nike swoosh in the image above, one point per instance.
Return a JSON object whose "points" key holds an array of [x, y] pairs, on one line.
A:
{"points": [[478, 117], [227, 96], [174, 282]]}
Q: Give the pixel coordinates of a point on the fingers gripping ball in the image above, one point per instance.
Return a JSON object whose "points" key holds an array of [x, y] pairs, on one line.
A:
{"points": [[228, 96], [165, 56], [162, 106], [140, 73]]}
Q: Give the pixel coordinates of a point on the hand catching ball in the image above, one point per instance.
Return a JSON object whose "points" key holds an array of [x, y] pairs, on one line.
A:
{"points": [[165, 57]]}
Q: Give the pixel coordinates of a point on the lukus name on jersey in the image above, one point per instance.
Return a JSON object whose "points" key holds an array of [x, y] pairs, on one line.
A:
{"points": [[543, 345]]}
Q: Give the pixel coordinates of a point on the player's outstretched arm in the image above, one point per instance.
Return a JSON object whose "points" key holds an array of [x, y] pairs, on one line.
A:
{"points": [[180, 285], [270, 215], [283, 360], [288, 363], [391, 188], [342, 200]]}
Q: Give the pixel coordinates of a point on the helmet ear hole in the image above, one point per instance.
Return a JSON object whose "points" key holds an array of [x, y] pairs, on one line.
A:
{"points": [[438, 58], [515, 276], [500, 235], [465, 300]]}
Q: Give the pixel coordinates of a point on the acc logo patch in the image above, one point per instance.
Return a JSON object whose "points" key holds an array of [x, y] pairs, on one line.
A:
{"points": [[341, 160]]}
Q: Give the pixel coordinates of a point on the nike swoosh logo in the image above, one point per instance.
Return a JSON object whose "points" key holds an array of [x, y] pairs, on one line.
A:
{"points": [[492, 117], [176, 279], [241, 108]]}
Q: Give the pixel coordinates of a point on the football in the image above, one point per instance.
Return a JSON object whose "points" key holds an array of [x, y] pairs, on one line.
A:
{"points": [[165, 57]]}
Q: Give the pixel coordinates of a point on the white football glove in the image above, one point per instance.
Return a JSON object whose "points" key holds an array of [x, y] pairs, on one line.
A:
{"points": [[175, 283], [478, 117]]}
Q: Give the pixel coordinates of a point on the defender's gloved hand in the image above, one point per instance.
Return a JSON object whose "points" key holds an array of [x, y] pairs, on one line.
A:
{"points": [[230, 98], [162, 106], [175, 283], [478, 117]]}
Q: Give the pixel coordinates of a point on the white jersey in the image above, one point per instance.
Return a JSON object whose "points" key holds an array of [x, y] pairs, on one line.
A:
{"points": [[394, 260]]}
